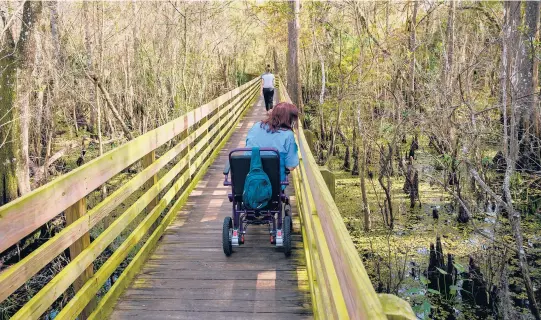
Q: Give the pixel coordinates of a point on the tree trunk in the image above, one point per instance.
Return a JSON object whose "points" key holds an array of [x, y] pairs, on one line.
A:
{"points": [[355, 151], [25, 60], [37, 107], [413, 24], [365, 206], [322, 92], [93, 112], [333, 133], [275, 61], [532, 21], [23, 103], [53, 6], [384, 173], [112, 108], [100, 137], [98, 100], [16, 87], [511, 41], [447, 78], [293, 76], [527, 83], [362, 154], [340, 90], [44, 129], [9, 126], [347, 159], [47, 128]]}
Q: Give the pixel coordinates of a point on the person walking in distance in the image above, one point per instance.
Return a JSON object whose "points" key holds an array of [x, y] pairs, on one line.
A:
{"points": [[267, 87]]}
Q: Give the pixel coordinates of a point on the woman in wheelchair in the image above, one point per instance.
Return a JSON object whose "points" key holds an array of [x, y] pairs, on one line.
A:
{"points": [[277, 132], [274, 140]]}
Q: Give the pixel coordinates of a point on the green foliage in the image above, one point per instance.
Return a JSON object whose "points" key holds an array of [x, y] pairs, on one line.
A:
{"points": [[241, 77], [433, 291], [453, 290], [414, 290], [447, 161], [441, 271], [516, 180], [486, 161], [459, 268], [308, 121], [423, 310], [422, 304]]}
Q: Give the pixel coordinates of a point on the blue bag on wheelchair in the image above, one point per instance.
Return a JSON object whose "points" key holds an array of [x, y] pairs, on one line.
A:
{"points": [[257, 186]]}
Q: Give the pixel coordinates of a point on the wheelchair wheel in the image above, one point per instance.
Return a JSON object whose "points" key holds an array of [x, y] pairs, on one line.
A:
{"points": [[227, 234], [287, 213], [287, 236]]}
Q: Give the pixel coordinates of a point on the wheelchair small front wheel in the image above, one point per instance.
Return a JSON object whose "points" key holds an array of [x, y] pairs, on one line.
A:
{"points": [[227, 235], [287, 235]]}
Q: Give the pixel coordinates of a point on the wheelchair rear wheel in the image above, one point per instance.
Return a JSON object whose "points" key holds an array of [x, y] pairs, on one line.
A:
{"points": [[227, 234], [287, 213], [287, 235]]}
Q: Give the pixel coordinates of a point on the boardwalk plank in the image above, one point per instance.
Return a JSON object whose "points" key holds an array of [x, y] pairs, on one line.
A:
{"points": [[146, 282], [222, 275], [222, 315], [290, 306], [218, 294]]}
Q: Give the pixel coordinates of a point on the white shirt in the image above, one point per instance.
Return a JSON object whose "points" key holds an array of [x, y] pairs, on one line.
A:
{"points": [[268, 80]]}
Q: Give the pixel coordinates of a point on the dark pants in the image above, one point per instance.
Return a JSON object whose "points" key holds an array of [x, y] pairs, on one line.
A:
{"points": [[268, 94]]}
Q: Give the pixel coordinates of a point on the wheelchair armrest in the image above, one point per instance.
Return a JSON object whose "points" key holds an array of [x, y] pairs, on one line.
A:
{"points": [[286, 182], [226, 174]]}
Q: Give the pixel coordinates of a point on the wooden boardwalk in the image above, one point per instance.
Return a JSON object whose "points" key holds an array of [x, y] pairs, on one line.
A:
{"points": [[189, 277]]}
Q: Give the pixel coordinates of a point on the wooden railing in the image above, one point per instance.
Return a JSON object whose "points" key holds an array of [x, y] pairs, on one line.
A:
{"points": [[197, 138], [339, 285]]}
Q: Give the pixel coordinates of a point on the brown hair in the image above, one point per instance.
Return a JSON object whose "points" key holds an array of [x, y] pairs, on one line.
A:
{"points": [[282, 117], [268, 69]]}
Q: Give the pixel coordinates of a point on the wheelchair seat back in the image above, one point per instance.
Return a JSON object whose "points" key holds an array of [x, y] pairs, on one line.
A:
{"points": [[240, 166]]}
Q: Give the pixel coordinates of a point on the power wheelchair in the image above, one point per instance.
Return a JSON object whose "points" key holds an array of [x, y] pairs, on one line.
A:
{"points": [[277, 213]]}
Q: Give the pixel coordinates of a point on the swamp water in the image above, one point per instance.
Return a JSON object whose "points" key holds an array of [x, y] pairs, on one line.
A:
{"points": [[397, 260]]}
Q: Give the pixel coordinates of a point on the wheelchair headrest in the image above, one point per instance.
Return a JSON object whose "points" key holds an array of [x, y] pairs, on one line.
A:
{"points": [[239, 161]]}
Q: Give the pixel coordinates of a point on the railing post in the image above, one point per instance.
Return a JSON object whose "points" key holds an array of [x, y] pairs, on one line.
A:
{"points": [[76, 211], [330, 180], [149, 159], [310, 138], [205, 134], [184, 135], [189, 148], [219, 120]]}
